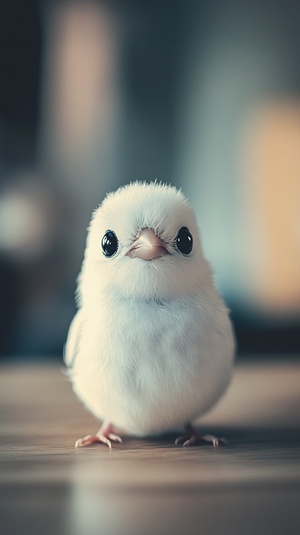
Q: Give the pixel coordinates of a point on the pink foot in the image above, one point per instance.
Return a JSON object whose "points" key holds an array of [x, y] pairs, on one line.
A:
{"points": [[104, 436], [192, 437]]}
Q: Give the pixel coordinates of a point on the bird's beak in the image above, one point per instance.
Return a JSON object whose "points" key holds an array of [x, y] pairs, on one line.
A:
{"points": [[147, 246]]}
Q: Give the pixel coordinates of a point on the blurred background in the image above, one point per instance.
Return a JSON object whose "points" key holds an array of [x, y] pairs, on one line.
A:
{"points": [[201, 94]]}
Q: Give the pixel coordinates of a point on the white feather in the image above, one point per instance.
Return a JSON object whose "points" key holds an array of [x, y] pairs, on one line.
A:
{"points": [[151, 346]]}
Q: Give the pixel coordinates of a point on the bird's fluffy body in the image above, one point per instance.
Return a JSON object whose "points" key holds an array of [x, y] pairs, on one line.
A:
{"points": [[151, 346]]}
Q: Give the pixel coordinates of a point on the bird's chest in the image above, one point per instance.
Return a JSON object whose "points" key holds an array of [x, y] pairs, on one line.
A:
{"points": [[148, 346]]}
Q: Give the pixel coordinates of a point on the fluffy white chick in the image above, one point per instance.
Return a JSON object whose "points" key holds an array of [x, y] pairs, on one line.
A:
{"points": [[151, 346]]}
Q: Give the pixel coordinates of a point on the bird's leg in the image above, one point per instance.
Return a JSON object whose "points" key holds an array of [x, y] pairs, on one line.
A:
{"points": [[105, 435], [192, 436]]}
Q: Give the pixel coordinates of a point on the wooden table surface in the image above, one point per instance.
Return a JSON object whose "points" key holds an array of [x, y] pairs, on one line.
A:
{"points": [[151, 486]]}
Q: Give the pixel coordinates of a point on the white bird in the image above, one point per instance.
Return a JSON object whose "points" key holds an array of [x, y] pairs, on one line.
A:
{"points": [[151, 346]]}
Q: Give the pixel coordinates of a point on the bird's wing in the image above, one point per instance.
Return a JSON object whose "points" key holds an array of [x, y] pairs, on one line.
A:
{"points": [[71, 346]]}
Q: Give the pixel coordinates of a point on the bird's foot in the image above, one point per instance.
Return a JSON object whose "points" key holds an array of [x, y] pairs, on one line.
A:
{"points": [[192, 437], [104, 436]]}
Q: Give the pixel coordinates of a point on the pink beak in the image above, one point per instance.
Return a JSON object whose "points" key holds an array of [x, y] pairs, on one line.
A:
{"points": [[147, 246]]}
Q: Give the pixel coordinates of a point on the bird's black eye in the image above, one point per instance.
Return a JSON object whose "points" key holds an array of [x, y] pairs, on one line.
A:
{"points": [[184, 241], [109, 243]]}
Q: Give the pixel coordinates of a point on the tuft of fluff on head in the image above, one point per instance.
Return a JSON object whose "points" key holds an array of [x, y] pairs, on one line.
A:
{"points": [[126, 212]]}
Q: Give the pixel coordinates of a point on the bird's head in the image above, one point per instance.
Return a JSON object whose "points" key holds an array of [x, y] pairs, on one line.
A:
{"points": [[143, 243]]}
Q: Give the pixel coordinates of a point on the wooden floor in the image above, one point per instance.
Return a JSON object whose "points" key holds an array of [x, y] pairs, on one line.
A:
{"points": [[252, 486]]}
